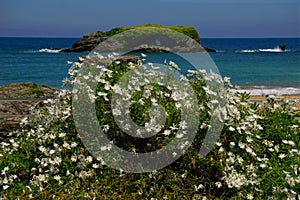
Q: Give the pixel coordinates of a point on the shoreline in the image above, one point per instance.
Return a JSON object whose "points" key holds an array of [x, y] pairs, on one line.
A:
{"points": [[292, 98], [270, 90]]}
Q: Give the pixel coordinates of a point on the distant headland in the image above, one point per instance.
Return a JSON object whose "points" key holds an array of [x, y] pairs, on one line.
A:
{"points": [[91, 40]]}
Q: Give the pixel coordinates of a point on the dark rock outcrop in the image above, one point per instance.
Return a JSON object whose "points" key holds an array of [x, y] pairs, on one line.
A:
{"points": [[85, 44], [14, 104], [281, 47], [209, 49]]}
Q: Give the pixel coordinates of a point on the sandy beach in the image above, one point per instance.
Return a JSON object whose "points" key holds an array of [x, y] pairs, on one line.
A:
{"points": [[295, 99]]}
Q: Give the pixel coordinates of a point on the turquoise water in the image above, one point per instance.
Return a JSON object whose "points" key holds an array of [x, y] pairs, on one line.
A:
{"points": [[251, 63], [255, 62], [27, 60]]}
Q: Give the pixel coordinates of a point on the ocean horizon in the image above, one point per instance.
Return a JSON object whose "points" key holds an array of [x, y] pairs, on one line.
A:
{"points": [[254, 64]]}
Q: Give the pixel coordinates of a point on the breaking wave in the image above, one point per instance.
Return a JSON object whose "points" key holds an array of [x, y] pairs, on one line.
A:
{"points": [[50, 50], [263, 90], [274, 50]]}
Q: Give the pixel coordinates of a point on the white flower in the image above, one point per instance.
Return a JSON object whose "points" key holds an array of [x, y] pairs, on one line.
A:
{"points": [[95, 166], [218, 144], [5, 187], [116, 112], [167, 132], [117, 89], [154, 102], [232, 144], [68, 173], [42, 149], [81, 157], [241, 145], [289, 142], [73, 144], [57, 178], [178, 105], [4, 170], [262, 165], [226, 79], [218, 184], [214, 101], [240, 159], [249, 196], [282, 155], [62, 135], [221, 150], [52, 136], [66, 145], [183, 124], [174, 65], [5, 181], [41, 178], [51, 151], [89, 159], [105, 127], [82, 174], [74, 158], [198, 187], [249, 150], [57, 160], [231, 128], [249, 139]]}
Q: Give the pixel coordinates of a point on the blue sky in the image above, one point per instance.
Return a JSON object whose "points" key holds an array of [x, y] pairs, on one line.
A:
{"points": [[212, 18]]}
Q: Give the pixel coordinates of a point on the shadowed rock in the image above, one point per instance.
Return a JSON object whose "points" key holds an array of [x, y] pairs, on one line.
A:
{"points": [[14, 104]]}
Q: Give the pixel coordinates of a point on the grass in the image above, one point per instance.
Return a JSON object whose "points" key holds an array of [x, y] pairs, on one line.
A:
{"points": [[187, 30]]}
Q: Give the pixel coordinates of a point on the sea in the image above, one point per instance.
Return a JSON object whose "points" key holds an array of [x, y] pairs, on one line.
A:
{"points": [[254, 64]]}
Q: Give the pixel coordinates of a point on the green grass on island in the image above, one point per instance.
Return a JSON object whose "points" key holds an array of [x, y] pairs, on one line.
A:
{"points": [[187, 30]]}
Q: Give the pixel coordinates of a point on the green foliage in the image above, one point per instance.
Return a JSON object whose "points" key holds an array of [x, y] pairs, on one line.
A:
{"points": [[187, 30], [256, 157]]}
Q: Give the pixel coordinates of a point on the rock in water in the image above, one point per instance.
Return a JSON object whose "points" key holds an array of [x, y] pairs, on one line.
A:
{"points": [[281, 47]]}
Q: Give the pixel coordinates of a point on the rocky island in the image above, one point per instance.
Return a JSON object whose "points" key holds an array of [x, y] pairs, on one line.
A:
{"points": [[91, 40]]}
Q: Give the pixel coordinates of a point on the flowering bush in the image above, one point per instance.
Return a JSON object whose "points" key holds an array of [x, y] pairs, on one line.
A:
{"points": [[256, 157]]}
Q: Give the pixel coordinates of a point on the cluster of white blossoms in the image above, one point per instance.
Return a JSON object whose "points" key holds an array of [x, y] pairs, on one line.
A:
{"points": [[248, 154]]}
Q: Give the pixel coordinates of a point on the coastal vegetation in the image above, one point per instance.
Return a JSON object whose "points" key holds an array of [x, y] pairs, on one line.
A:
{"points": [[257, 155], [187, 30]]}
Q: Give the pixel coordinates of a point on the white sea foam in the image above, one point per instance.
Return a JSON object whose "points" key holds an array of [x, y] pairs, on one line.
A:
{"points": [[271, 50], [50, 50], [275, 50], [247, 51], [262, 90]]}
